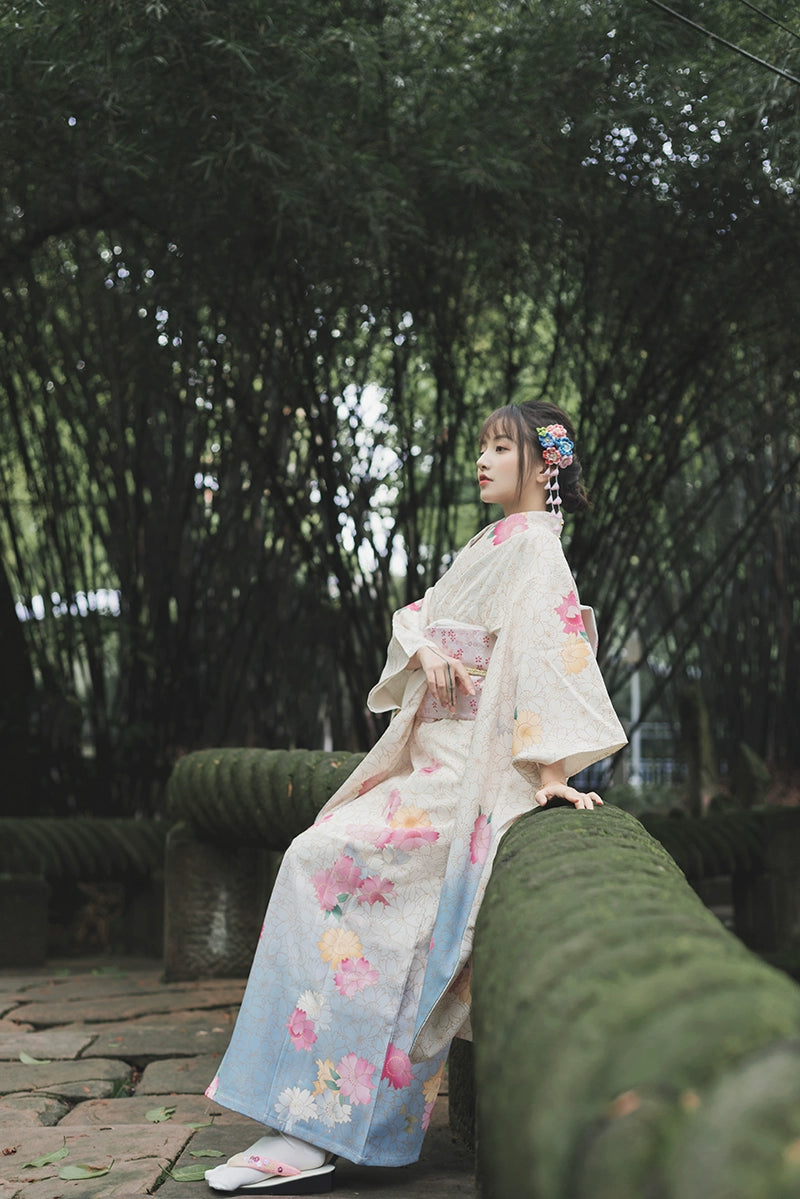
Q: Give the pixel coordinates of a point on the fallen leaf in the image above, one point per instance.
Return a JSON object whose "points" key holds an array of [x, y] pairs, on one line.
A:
{"points": [[27, 1060], [188, 1173], [70, 1173], [206, 1153], [203, 1123], [157, 1115], [7, 1152], [46, 1159]]}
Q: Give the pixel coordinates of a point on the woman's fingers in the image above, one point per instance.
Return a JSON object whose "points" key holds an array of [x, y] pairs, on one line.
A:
{"points": [[464, 679], [445, 677], [585, 800], [441, 682]]}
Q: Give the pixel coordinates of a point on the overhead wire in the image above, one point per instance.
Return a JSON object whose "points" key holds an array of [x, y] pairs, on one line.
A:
{"points": [[715, 37], [768, 16]]}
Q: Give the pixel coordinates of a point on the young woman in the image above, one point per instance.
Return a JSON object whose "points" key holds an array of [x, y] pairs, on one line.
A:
{"points": [[361, 976]]}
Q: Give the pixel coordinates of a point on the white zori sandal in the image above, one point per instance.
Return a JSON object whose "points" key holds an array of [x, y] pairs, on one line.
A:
{"points": [[278, 1164]]}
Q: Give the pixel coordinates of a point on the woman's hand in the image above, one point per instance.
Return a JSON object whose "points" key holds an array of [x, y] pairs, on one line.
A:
{"points": [[580, 799], [444, 676]]}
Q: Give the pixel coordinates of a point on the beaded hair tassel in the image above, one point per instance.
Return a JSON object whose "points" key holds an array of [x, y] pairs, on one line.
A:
{"points": [[557, 450]]}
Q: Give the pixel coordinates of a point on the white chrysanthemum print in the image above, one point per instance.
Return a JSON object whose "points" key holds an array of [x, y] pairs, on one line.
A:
{"points": [[317, 1008], [295, 1104], [332, 1110]]}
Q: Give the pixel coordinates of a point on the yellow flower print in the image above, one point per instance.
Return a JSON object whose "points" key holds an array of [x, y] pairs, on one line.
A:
{"points": [[430, 1088], [527, 731], [337, 944], [326, 1076], [575, 653], [410, 817]]}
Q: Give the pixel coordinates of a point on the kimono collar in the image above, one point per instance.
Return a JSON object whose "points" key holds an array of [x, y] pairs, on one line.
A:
{"points": [[520, 522]]}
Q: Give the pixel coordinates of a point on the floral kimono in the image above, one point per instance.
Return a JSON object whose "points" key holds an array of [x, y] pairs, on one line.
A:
{"points": [[361, 976]]}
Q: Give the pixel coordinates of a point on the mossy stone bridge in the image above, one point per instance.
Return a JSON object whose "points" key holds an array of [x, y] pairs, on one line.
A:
{"points": [[627, 1043]]}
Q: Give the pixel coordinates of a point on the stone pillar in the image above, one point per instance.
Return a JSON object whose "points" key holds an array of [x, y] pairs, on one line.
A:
{"points": [[461, 1082], [767, 903], [23, 919], [214, 901]]}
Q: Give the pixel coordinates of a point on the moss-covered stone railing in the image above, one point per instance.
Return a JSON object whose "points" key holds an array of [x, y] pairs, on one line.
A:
{"points": [[266, 795], [757, 853], [727, 843], [82, 847], [626, 1044], [38, 853], [233, 812]]}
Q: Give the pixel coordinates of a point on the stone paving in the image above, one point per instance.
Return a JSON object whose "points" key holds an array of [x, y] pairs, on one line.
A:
{"points": [[102, 1071]]}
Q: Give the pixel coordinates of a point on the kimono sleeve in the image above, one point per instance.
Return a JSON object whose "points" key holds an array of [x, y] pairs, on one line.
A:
{"points": [[407, 637], [562, 711]]}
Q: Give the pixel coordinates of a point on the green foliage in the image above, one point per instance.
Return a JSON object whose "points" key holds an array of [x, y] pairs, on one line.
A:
{"points": [[263, 275]]}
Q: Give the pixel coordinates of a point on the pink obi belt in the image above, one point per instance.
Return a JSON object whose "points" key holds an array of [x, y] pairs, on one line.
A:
{"points": [[472, 646]]}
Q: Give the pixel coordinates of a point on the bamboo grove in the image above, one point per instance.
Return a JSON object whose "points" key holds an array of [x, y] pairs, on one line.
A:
{"points": [[265, 269]]}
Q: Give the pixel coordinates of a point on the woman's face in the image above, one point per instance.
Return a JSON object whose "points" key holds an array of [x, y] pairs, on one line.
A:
{"points": [[498, 476]]}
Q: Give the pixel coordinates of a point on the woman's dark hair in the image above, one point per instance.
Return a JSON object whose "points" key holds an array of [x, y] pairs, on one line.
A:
{"points": [[519, 423]]}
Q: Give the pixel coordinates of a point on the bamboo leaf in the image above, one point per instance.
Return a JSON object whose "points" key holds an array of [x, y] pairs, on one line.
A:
{"points": [[82, 1171], [157, 1115], [46, 1159], [189, 1173]]}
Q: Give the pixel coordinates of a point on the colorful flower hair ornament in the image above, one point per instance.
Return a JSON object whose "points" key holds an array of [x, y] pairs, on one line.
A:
{"points": [[557, 450]]}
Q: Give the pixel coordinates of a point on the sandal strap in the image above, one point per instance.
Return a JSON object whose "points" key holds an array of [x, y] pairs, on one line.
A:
{"points": [[264, 1165]]}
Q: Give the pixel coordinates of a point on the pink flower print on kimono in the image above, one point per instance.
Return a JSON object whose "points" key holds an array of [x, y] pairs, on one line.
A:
{"points": [[311, 1014], [392, 803], [570, 612], [508, 526], [336, 885], [397, 1068], [376, 890], [355, 1078], [373, 781], [353, 975], [480, 838], [301, 1030], [414, 606], [408, 829]]}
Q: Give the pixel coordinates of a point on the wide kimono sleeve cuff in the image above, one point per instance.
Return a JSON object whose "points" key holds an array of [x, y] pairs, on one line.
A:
{"points": [[408, 625], [578, 759]]}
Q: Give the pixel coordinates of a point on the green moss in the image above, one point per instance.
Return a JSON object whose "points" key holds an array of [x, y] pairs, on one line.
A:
{"points": [[744, 1139], [601, 980], [259, 796]]}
